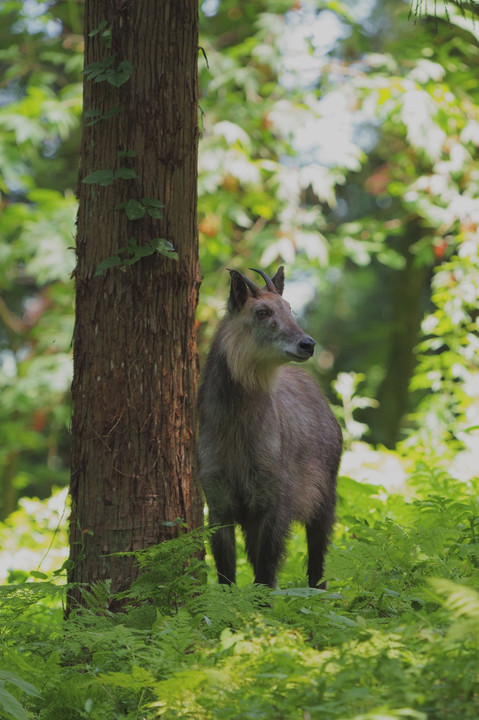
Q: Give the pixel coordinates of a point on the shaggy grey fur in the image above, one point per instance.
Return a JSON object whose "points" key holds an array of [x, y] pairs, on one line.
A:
{"points": [[269, 445]]}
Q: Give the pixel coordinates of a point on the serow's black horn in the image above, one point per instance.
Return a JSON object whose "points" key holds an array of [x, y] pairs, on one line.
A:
{"points": [[254, 288], [268, 281]]}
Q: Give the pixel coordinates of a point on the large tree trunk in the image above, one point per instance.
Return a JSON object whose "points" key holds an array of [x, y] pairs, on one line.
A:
{"points": [[135, 358]]}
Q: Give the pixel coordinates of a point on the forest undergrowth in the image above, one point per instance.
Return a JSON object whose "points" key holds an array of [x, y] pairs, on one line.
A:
{"points": [[396, 634]]}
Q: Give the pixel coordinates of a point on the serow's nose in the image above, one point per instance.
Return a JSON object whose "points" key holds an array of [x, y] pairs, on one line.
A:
{"points": [[307, 345]]}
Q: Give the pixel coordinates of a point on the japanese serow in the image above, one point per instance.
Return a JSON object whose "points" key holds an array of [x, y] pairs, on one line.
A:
{"points": [[269, 445]]}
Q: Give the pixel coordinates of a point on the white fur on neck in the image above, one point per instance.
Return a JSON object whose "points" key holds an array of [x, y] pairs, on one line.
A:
{"points": [[248, 367]]}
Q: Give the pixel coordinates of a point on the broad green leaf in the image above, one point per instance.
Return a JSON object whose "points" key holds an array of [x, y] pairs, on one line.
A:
{"points": [[126, 174], [11, 706], [96, 70], [100, 27], [153, 202], [154, 207], [38, 575], [97, 115], [140, 251], [155, 212], [23, 685], [120, 75], [110, 262], [93, 113], [164, 247], [100, 177], [134, 210], [112, 111]]}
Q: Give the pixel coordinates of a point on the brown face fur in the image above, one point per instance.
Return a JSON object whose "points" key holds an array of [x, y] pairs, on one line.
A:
{"points": [[260, 333], [262, 336]]}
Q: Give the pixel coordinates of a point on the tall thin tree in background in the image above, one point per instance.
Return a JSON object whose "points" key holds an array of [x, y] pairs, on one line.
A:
{"points": [[137, 279]]}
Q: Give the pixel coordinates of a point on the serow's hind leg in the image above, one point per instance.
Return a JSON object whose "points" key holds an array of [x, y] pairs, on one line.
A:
{"points": [[265, 546], [224, 552], [318, 530]]}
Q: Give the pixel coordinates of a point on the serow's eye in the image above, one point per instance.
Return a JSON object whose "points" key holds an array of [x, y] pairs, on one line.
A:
{"points": [[261, 314]]}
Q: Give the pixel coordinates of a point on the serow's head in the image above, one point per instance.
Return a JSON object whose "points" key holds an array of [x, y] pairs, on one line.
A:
{"points": [[264, 324]]}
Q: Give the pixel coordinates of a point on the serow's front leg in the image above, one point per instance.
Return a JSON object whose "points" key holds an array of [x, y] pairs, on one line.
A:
{"points": [[224, 552], [265, 546]]}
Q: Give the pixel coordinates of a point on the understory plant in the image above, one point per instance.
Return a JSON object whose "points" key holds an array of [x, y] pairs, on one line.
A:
{"points": [[395, 635]]}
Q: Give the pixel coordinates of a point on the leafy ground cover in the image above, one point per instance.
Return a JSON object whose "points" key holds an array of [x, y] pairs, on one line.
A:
{"points": [[396, 635]]}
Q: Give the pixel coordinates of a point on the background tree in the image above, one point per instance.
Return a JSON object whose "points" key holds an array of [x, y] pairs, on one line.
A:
{"points": [[137, 278]]}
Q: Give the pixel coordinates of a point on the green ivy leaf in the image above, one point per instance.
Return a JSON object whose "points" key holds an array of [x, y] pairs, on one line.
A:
{"points": [[140, 252], [120, 75], [136, 252], [101, 71], [152, 202], [97, 115], [126, 174], [111, 112], [67, 565], [102, 177], [107, 177], [164, 247], [97, 70], [155, 212], [110, 262], [134, 210], [100, 27], [154, 207]]}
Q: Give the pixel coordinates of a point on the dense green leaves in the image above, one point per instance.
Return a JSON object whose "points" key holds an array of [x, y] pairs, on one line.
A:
{"points": [[97, 115], [136, 209], [132, 253], [39, 123], [394, 636], [342, 141], [102, 71], [107, 177]]}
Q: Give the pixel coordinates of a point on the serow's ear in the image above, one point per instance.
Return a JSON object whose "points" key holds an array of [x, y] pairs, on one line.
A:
{"points": [[278, 279], [238, 291]]}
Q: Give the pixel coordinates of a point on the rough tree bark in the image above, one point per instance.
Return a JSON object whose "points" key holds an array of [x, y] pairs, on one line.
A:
{"points": [[135, 357]]}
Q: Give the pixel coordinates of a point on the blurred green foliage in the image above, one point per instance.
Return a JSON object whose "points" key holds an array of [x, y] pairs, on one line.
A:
{"points": [[339, 138], [40, 111], [342, 139]]}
